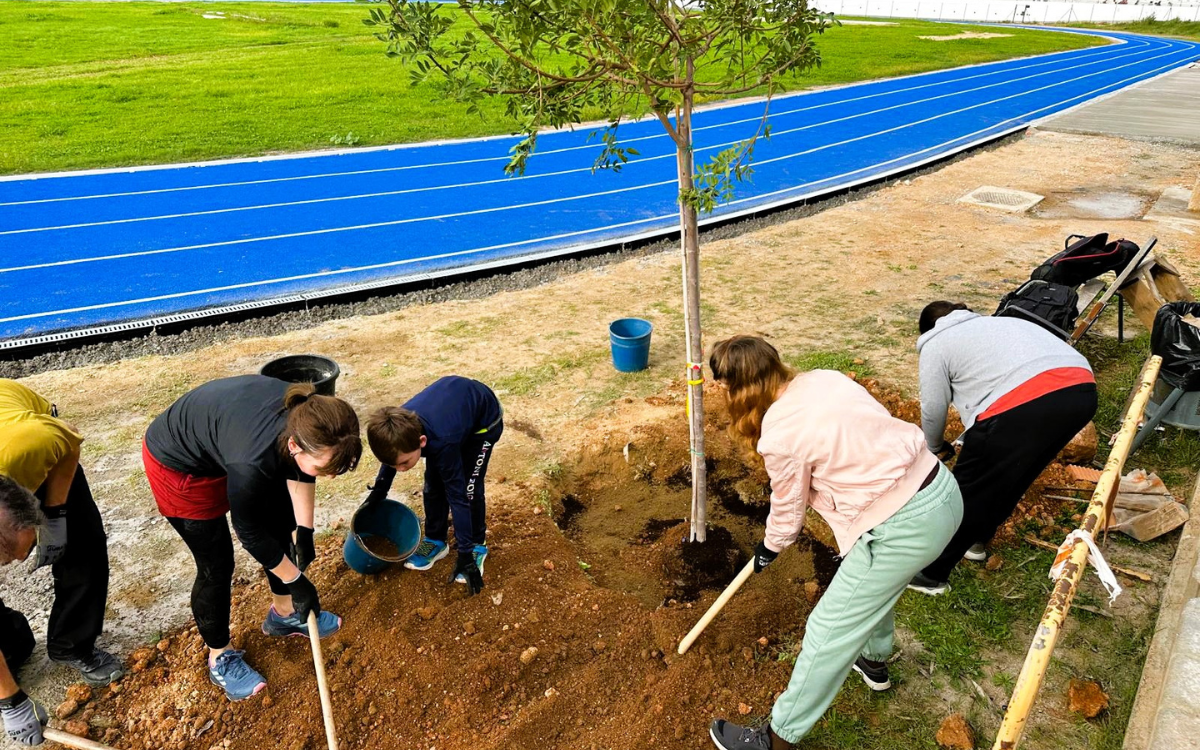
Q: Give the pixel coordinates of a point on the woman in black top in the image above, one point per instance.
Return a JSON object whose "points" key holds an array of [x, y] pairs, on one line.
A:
{"points": [[251, 446]]}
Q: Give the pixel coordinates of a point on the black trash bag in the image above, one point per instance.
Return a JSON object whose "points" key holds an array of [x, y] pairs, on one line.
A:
{"points": [[1178, 343], [1085, 259]]}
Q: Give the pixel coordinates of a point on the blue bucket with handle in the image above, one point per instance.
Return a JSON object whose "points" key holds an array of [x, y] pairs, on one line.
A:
{"points": [[395, 522], [630, 338]]}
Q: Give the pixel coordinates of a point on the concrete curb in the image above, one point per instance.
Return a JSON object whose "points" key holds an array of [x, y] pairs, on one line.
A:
{"points": [[1181, 587]]}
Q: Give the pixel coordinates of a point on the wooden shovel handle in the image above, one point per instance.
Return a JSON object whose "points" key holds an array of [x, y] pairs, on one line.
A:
{"points": [[70, 740], [716, 608], [314, 638]]}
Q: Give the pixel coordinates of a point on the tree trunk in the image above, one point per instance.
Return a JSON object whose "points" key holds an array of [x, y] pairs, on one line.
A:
{"points": [[1194, 203], [690, 242]]}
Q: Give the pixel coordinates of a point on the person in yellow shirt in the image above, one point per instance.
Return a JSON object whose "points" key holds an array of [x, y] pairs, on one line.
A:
{"points": [[40, 453]]}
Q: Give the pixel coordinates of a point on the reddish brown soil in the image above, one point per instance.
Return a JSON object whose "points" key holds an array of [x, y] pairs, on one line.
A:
{"points": [[604, 600]]}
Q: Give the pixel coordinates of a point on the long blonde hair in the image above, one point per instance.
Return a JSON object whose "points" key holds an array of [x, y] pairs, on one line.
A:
{"points": [[753, 374]]}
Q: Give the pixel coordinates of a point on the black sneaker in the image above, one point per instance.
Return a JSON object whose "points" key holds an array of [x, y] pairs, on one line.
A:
{"points": [[926, 585], [732, 737], [874, 673], [98, 670]]}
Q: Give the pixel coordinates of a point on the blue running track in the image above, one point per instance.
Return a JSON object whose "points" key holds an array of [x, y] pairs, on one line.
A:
{"points": [[86, 250]]}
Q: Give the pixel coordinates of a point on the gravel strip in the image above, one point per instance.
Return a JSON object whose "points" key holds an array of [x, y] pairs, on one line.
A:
{"points": [[200, 336]]}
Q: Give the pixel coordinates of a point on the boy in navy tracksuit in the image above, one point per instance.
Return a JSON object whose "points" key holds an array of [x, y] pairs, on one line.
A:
{"points": [[453, 424]]}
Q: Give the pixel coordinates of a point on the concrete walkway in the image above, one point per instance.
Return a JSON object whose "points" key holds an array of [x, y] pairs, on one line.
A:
{"points": [[1166, 714], [1165, 109]]}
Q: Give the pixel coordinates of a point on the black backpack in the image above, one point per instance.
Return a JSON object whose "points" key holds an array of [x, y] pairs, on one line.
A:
{"points": [[1085, 259], [1051, 306]]}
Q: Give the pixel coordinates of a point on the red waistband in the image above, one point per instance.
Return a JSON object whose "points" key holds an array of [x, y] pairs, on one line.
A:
{"points": [[1038, 386]]}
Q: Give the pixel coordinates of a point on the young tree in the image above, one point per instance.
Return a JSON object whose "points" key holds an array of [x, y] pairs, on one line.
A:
{"points": [[557, 62]]}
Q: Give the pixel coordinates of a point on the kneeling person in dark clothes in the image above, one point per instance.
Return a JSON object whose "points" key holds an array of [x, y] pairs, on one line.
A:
{"points": [[252, 447], [1022, 393], [453, 424], [40, 452]]}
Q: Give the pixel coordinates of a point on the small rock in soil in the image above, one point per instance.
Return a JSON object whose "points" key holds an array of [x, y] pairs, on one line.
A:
{"points": [[77, 728], [995, 562], [426, 613], [743, 709], [548, 564], [550, 692], [763, 641], [811, 589], [956, 734], [1086, 698], [164, 644], [66, 708], [469, 628], [80, 693], [599, 646], [529, 654]]}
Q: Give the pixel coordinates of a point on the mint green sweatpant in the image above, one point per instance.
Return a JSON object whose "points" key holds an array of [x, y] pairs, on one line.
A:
{"points": [[855, 616]]}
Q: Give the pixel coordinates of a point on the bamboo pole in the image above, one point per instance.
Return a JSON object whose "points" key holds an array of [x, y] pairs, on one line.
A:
{"points": [[1038, 657]]}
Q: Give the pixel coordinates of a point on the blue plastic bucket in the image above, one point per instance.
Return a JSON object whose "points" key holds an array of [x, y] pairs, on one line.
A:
{"points": [[387, 518], [630, 339]]}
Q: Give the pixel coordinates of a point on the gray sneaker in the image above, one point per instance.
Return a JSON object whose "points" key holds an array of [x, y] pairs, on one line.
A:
{"points": [[977, 553], [927, 585], [98, 670]]}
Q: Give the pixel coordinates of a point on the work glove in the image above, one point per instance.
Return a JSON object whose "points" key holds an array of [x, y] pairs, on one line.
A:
{"points": [[306, 552], [469, 570], [763, 557], [304, 597], [24, 718], [52, 537], [946, 453], [374, 496]]}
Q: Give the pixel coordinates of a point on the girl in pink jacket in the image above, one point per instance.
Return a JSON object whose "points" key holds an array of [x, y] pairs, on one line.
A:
{"points": [[828, 445]]}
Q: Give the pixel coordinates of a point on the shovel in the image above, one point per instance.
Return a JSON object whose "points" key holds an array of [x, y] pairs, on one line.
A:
{"points": [[314, 638], [716, 607], [70, 740]]}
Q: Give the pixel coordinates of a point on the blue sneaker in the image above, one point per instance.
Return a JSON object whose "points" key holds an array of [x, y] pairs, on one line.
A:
{"points": [[429, 552], [480, 556], [237, 678], [276, 624]]}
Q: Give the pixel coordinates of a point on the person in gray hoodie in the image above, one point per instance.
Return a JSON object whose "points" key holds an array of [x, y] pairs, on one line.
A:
{"points": [[1022, 393]]}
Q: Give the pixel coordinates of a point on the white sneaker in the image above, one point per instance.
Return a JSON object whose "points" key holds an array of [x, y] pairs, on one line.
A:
{"points": [[977, 553]]}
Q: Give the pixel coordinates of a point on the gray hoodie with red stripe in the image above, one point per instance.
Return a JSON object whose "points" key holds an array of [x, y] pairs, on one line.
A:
{"points": [[972, 361]]}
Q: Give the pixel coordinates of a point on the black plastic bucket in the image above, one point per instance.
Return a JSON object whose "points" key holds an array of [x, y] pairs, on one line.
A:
{"points": [[322, 372]]}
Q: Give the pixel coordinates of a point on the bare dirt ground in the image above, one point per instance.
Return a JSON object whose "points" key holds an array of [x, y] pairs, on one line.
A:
{"points": [[420, 665]]}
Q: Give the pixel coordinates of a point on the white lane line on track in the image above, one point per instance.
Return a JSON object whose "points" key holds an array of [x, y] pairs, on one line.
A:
{"points": [[1119, 49], [334, 230], [330, 230], [324, 274], [559, 173], [321, 274]]}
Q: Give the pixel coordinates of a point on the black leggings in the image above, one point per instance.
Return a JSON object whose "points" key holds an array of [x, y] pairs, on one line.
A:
{"points": [[211, 545], [1000, 458]]}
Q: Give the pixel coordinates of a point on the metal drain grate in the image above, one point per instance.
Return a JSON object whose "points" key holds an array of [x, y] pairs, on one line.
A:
{"points": [[1003, 199]]}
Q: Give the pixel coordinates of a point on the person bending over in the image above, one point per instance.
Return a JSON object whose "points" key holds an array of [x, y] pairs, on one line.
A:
{"points": [[892, 506], [252, 447], [454, 424], [1022, 393], [40, 452], [20, 522]]}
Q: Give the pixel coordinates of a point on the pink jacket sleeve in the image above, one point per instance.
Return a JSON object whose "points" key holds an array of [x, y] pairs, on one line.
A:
{"points": [[790, 479]]}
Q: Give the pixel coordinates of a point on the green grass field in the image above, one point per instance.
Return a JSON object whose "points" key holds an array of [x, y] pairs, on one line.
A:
{"points": [[112, 84], [1180, 29]]}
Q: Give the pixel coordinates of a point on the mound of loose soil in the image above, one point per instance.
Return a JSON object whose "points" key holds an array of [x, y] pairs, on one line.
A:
{"points": [[571, 645]]}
